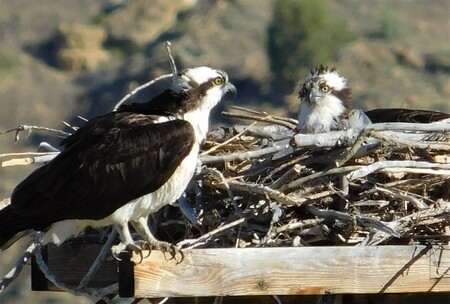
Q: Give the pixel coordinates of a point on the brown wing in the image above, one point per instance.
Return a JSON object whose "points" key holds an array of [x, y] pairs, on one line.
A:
{"points": [[108, 162], [405, 115]]}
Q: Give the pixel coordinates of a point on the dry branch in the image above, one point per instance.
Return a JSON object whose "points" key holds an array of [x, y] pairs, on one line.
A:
{"points": [[15, 271], [29, 129]]}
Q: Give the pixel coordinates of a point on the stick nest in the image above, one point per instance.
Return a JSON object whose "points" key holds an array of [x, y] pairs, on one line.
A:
{"points": [[262, 185]]}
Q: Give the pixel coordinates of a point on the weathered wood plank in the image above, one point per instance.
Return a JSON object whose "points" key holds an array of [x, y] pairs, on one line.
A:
{"points": [[294, 271]]}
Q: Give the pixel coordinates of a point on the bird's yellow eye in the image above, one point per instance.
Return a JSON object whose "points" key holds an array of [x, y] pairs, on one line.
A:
{"points": [[218, 80], [325, 89]]}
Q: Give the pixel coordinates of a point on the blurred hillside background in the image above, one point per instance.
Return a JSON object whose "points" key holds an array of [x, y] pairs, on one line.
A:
{"points": [[60, 59]]}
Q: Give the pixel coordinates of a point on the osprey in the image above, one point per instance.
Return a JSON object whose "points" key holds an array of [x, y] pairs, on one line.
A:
{"points": [[120, 167], [325, 105], [324, 101]]}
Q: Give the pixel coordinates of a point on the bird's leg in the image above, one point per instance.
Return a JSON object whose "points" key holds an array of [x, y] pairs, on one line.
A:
{"points": [[142, 228], [126, 241]]}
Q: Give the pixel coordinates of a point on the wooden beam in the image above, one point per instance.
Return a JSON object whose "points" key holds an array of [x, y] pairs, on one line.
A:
{"points": [[290, 271]]}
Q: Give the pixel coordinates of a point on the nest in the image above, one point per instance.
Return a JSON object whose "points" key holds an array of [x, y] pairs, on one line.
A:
{"points": [[261, 184]]}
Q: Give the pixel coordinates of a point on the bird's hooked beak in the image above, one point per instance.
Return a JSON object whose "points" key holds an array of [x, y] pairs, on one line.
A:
{"points": [[315, 95], [229, 90]]}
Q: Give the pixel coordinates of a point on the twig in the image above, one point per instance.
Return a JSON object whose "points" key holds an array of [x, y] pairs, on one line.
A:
{"points": [[353, 149], [223, 181], [298, 182], [370, 203], [35, 158], [263, 117], [317, 196], [416, 171], [30, 128], [366, 170], [106, 249], [287, 176], [297, 225], [401, 225], [265, 190], [9, 155], [425, 214], [362, 220], [173, 67], [205, 237], [243, 109], [263, 113], [267, 119], [416, 202], [282, 167], [277, 299], [15, 271], [139, 88], [227, 141], [209, 159]]}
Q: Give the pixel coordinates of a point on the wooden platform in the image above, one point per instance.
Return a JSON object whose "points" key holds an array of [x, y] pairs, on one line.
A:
{"points": [[291, 271], [264, 271]]}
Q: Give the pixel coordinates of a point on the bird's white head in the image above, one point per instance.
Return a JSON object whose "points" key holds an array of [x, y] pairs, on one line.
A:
{"points": [[324, 99], [202, 88]]}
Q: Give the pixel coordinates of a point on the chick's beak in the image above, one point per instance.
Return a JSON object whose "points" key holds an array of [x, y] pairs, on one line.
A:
{"points": [[315, 95]]}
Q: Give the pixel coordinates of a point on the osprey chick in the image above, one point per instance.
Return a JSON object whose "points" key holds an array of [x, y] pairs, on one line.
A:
{"points": [[324, 101], [325, 106], [120, 167]]}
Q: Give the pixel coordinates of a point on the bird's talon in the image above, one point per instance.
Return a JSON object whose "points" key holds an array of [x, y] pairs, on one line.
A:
{"points": [[144, 245], [182, 256], [118, 249], [172, 250], [115, 255]]}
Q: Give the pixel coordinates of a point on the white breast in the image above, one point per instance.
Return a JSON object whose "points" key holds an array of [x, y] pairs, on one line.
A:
{"points": [[167, 194], [320, 117]]}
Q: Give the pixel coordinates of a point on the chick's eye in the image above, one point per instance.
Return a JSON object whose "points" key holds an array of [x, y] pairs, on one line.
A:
{"points": [[325, 89], [218, 80]]}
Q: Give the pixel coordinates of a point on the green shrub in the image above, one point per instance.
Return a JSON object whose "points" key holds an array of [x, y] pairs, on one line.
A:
{"points": [[9, 61], [303, 35], [390, 25]]}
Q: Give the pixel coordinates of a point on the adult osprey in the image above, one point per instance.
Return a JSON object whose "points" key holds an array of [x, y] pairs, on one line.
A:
{"points": [[120, 167], [325, 105]]}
